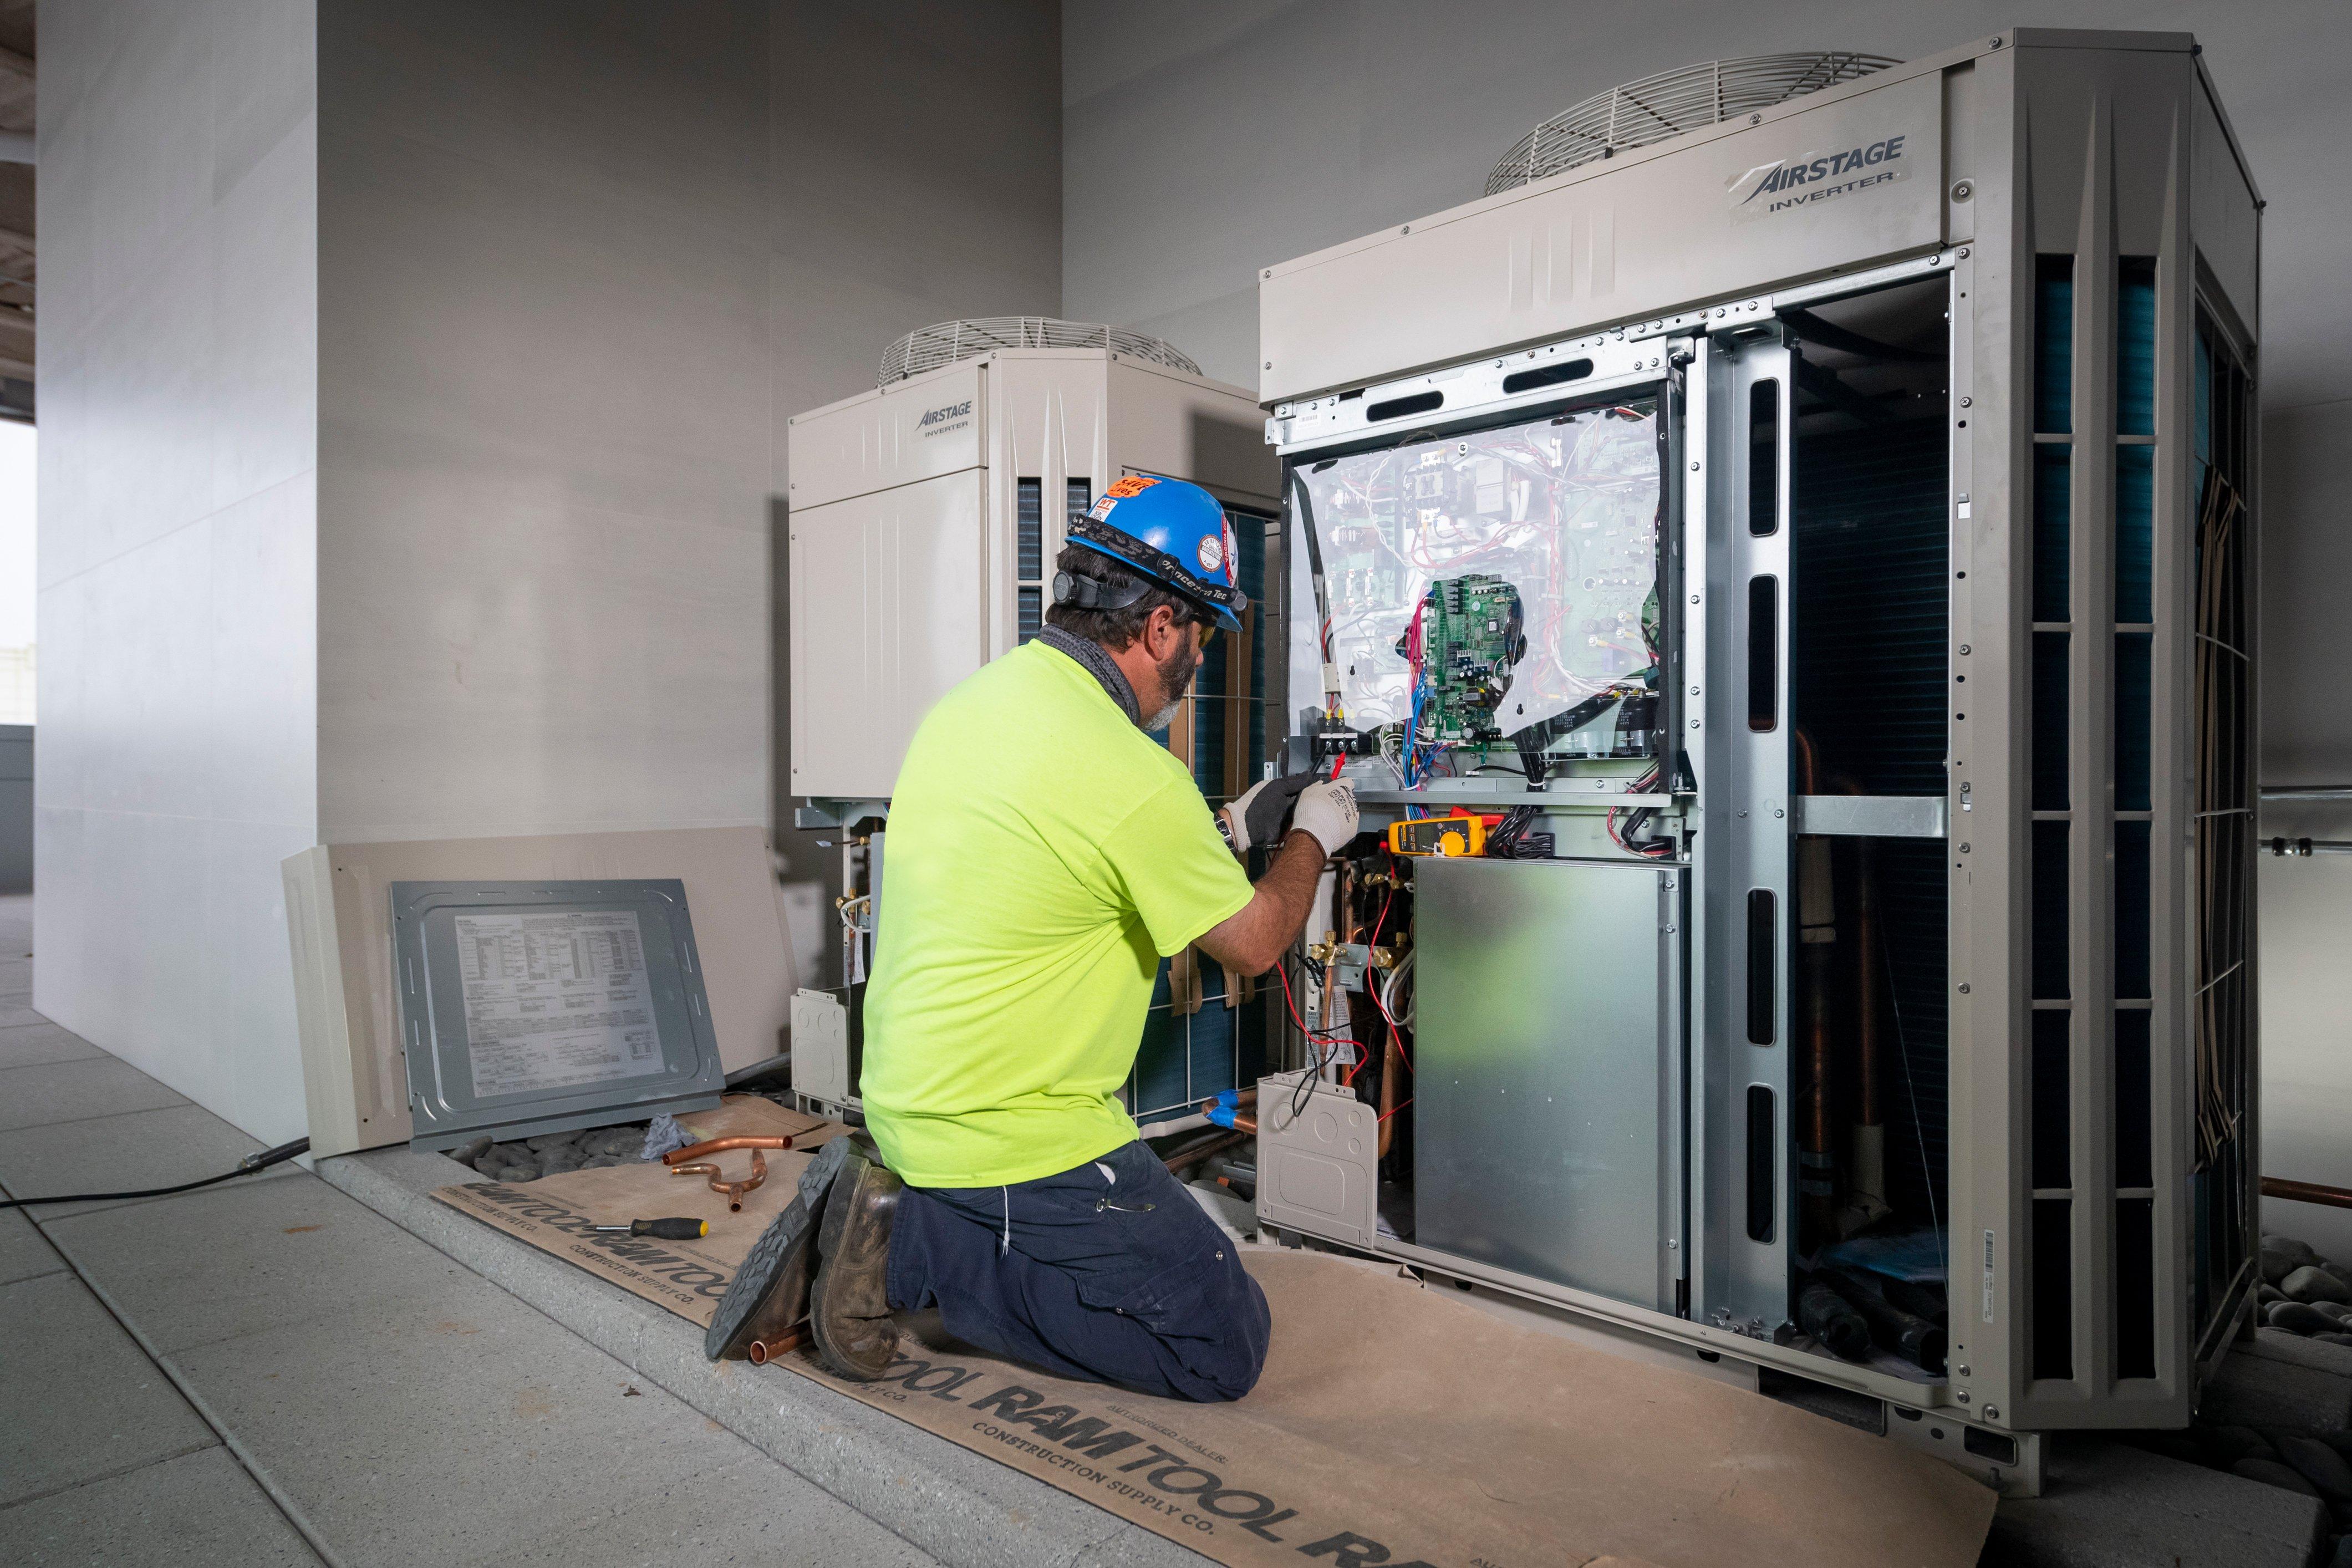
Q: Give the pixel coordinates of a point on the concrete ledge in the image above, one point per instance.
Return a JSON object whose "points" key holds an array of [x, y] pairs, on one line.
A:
{"points": [[2110, 1505], [959, 1507]]}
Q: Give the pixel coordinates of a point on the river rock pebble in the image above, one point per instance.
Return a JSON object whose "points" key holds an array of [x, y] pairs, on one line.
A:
{"points": [[2310, 1283], [2283, 1255], [2320, 1465], [2297, 1318]]}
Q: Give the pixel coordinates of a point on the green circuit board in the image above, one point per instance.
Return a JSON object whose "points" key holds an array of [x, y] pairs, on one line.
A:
{"points": [[1473, 630]]}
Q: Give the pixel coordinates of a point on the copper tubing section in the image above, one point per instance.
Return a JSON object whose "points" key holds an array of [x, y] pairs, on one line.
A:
{"points": [[1391, 1068], [1184, 1158], [1873, 986], [718, 1145], [732, 1190], [1815, 1208], [762, 1351], [1870, 972], [2306, 1193]]}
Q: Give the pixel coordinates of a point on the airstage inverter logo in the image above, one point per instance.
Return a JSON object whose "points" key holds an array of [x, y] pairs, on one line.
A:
{"points": [[940, 421], [1787, 186]]}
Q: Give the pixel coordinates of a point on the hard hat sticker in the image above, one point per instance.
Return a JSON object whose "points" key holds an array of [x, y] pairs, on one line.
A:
{"points": [[1212, 553], [1132, 485]]}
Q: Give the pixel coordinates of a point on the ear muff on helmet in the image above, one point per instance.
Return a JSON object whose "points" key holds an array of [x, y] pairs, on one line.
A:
{"points": [[1075, 588]]}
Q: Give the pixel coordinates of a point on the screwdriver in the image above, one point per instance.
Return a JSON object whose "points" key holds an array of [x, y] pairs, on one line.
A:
{"points": [[661, 1229]]}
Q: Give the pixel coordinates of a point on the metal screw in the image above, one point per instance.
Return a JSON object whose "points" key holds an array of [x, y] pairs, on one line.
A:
{"points": [[1964, 1371], [1694, 690], [1694, 465], [1964, 987], [1962, 1396], [1755, 119], [1992, 1412], [1963, 650], [1962, 190], [1778, 812], [1964, 849], [1269, 364], [1693, 723], [1964, 251], [1968, 402], [1693, 600], [1407, 229], [1269, 271]]}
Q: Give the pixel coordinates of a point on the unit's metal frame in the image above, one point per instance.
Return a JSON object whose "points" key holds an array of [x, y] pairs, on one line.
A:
{"points": [[2097, 145]]}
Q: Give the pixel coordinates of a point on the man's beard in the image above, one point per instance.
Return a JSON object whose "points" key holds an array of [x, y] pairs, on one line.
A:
{"points": [[1175, 674]]}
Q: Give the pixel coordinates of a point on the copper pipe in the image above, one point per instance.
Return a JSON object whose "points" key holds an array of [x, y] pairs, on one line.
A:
{"points": [[732, 1190], [1391, 1068], [1873, 986], [1184, 1158], [2306, 1193], [718, 1145], [762, 1351], [1817, 1197]]}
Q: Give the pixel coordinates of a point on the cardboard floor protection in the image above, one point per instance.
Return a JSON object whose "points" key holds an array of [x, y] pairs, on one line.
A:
{"points": [[1395, 1424]]}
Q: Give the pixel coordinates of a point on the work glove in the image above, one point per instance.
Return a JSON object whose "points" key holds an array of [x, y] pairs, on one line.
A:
{"points": [[1328, 811], [1257, 817]]}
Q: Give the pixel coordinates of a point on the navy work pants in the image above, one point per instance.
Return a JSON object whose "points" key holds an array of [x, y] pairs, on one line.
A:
{"points": [[1106, 1273]]}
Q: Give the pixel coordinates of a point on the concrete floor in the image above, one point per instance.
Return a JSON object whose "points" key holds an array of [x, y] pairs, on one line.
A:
{"points": [[287, 1369], [269, 1372]]}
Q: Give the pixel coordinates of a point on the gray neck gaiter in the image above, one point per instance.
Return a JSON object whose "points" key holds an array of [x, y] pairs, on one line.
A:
{"points": [[1096, 663]]}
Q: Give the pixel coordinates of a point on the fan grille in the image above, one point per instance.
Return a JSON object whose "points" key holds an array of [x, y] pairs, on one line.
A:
{"points": [[945, 342], [1671, 102]]}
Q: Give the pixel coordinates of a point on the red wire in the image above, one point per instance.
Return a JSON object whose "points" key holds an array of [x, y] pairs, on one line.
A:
{"points": [[1387, 1114], [1282, 976]]}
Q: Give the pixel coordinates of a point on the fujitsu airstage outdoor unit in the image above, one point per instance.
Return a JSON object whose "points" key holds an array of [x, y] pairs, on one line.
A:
{"points": [[1807, 507], [924, 517]]}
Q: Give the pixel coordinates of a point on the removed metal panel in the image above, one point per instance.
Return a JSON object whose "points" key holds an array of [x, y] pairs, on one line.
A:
{"points": [[540, 1007]]}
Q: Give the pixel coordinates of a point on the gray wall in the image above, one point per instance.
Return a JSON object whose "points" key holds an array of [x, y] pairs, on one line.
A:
{"points": [[1205, 141], [579, 265], [544, 433], [414, 392], [177, 762]]}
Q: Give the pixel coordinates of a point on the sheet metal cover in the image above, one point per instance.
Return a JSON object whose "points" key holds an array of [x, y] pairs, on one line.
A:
{"points": [[542, 1006]]}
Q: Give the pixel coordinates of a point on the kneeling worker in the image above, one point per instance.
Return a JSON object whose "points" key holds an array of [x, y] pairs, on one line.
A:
{"points": [[1045, 856]]}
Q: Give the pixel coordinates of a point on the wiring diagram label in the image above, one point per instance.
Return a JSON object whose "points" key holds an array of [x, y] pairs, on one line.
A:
{"points": [[555, 1000]]}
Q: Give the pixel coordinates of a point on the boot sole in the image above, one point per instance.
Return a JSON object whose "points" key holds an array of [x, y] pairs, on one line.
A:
{"points": [[771, 1291]]}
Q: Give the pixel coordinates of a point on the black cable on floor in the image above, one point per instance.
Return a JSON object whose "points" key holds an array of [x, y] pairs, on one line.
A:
{"points": [[245, 1167]]}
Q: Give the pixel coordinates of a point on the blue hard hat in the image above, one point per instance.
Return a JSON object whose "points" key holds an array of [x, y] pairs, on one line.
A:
{"points": [[1171, 531]]}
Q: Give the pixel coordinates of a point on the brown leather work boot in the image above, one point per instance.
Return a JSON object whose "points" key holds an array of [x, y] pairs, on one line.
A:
{"points": [[849, 1306]]}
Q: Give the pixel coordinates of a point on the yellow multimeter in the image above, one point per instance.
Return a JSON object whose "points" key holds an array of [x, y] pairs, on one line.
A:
{"points": [[1464, 833]]}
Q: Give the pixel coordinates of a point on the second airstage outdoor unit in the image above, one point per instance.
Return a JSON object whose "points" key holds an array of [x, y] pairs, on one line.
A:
{"points": [[1798, 528]]}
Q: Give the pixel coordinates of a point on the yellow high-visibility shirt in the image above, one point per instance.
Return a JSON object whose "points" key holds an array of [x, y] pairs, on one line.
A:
{"points": [[1043, 855]]}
